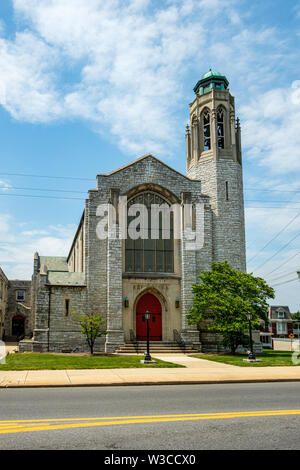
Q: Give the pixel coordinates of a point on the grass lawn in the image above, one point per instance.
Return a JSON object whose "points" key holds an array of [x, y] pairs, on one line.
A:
{"points": [[39, 361], [269, 358]]}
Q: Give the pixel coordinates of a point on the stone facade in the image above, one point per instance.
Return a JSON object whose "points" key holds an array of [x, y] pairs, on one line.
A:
{"points": [[18, 319], [220, 172], [93, 278], [3, 300]]}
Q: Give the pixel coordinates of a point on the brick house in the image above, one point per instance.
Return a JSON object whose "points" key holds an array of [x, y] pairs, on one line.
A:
{"points": [[280, 324], [3, 300]]}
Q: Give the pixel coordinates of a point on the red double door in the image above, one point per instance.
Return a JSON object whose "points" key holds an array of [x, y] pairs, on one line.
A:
{"points": [[150, 303]]}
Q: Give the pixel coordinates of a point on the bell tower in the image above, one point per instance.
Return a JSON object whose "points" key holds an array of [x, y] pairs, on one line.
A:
{"points": [[213, 155]]}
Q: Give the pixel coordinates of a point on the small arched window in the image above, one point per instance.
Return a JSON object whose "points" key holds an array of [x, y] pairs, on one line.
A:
{"points": [[220, 129], [206, 130]]}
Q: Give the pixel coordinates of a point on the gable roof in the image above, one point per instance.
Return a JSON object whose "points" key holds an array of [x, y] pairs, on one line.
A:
{"points": [[58, 273], [150, 156], [54, 263], [66, 279]]}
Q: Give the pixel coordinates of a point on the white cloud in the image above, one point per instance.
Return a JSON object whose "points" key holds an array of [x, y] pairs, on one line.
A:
{"points": [[64, 231], [4, 186], [17, 248], [274, 219], [128, 62], [4, 224], [271, 129], [26, 89], [2, 27], [297, 9], [129, 70], [32, 233]]}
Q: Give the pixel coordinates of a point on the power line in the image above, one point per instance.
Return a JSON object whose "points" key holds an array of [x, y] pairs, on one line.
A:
{"points": [[48, 176], [83, 192], [40, 196], [282, 275], [273, 190], [282, 264], [278, 251], [271, 207], [93, 179], [286, 282], [274, 238], [44, 189], [260, 200]]}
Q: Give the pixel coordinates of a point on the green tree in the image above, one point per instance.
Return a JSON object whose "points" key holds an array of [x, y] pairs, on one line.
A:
{"points": [[92, 328], [224, 297], [296, 316]]}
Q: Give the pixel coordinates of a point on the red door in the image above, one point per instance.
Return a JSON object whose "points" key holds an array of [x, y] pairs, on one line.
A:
{"points": [[148, 302]]}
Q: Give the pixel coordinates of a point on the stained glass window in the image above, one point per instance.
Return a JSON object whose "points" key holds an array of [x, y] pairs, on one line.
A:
{"points": [[150, 253]]}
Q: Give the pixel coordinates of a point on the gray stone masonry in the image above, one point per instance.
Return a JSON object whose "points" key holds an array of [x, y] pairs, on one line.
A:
{"points": [[213, 186], [18, 308]]}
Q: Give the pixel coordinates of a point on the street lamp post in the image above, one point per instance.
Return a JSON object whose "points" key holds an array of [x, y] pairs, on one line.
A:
{"points": [[251, 356], [147, 354]]}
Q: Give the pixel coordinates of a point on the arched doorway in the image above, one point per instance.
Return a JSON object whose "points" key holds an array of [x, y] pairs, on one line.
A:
{"points": [[18, 325], [148, 302]]}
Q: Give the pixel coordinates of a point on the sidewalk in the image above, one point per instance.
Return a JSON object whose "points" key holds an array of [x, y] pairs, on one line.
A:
{"points": [[196, 371]]}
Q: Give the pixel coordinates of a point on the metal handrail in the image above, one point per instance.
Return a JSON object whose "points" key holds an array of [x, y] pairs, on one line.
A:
{"points": [[134, 341], [178, 339]]}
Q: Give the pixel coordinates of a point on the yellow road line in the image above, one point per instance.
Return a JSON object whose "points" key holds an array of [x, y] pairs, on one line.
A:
{"points": [[147, 416], [7, 427]]}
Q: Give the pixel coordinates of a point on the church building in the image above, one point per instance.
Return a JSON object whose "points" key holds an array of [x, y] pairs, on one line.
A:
{"points": [[120, 276]]}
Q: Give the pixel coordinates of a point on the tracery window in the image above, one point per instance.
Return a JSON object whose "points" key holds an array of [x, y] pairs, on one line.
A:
{"points": [[220, 128], [146, 253], [206, 131]]}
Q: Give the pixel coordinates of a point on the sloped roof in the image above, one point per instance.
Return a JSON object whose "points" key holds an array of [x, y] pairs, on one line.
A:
{"points": [[148, 155], [54, 263], [277, 307], [56, 278], [211, 73]]}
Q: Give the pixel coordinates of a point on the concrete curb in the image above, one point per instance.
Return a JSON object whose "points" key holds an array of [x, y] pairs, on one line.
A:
{"points": [[135, 384]]}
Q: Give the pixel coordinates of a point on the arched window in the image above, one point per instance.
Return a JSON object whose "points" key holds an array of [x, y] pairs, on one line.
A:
{"points": [[151, 248], [206, 130], [195, 135], [220, 128]]}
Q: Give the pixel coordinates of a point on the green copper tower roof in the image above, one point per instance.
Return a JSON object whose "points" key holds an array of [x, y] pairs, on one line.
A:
{"points": [[210, 80]]}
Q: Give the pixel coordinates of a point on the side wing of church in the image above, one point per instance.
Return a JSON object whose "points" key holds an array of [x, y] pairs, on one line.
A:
{"points": [[112, 272]]}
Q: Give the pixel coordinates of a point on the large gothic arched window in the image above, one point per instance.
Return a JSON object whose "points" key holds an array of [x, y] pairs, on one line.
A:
{"points": [[220, 128], [149, 246], [206, 130]]}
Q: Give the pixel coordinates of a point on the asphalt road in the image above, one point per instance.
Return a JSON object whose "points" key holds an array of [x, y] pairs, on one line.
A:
{"points": [[152, 417]]}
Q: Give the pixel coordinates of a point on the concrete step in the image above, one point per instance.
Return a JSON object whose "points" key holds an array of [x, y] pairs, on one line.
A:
{"points": [[155, 347], [159, 351], [10, 339]]}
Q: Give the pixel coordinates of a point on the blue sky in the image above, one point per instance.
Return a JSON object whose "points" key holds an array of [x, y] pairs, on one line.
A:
{"points": [[88, 86]]}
